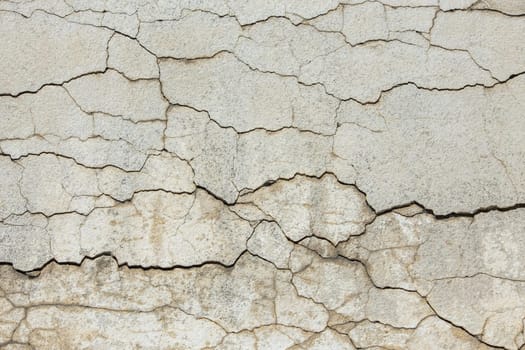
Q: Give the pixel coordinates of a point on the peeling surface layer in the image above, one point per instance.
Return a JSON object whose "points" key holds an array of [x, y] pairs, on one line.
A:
{"points": [[344, 174]]}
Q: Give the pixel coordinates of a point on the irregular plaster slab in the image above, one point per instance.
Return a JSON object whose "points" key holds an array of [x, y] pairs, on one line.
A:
{"points": [[269, 242], [51, 116], [25, 242], [433, 68], [286, 153], [131, 59], [277, 45], [45, 49], [306, 206], [49, 183], [51, 121], [494, 40], [48, 112], [491, 307], [235, 95], [364, 22], [95, 152], [241, 161], [52, 184], [188, 232], [111, 93], [475, 149]]}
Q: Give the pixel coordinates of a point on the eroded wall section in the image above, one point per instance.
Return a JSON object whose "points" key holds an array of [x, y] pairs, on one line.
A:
{"points": [[340, 174]]}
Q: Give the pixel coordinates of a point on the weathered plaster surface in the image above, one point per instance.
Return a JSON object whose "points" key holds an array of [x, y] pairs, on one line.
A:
{"points": [[342, 174]]}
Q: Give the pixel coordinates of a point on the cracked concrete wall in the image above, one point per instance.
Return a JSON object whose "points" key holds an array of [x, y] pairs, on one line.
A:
{"points": [[224, 174]]}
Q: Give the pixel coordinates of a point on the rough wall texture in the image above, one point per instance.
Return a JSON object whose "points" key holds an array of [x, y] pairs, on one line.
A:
{"points": [[253, 174]]}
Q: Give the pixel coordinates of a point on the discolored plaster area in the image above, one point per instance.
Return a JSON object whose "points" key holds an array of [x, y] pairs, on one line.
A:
{"points": [[225, 174]]}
